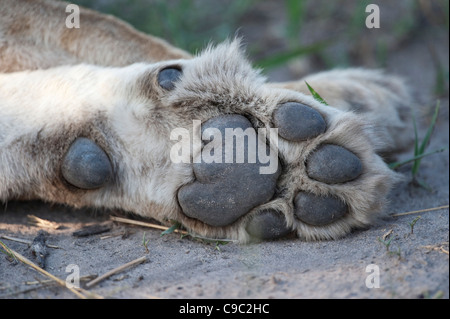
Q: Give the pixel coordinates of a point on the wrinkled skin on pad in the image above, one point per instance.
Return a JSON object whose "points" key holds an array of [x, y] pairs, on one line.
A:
{"points": [[224, 192]]}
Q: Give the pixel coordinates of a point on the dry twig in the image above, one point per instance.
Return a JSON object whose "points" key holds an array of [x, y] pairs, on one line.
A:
{"points": [[39, 222], [81, 293], [115, 271], [437, 248], [25, 241], [139, 223], [421, 211]]}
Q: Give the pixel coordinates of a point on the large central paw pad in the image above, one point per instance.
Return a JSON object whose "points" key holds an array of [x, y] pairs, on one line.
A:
{"points": [[232, 184]]}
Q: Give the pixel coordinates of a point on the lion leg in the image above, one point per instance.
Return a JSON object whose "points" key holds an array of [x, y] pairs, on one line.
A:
{"points": [[29, 40], [60, 135]]}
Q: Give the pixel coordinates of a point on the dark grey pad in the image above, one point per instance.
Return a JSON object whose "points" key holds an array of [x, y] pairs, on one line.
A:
{"points": [[317, 210], [223, 192], [267, 225], [298, 122], [333, 164], [168, 77], [86, 165]]}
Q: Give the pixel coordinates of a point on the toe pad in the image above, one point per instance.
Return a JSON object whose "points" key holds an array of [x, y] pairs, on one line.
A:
{"points": [[267, 225], [318, 211], [333, 164], [298, 122], [168, 77]]}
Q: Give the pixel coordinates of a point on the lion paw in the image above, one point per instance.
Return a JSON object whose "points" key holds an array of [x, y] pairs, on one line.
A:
{"points": [[271, 161], [327, 179], [317, 176]]}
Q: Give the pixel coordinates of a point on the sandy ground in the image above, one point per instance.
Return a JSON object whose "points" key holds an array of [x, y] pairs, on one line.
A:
{"points": [[416, 265]]}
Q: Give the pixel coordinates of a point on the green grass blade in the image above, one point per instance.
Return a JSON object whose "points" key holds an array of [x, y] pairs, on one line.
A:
{"points": [[422, 184], [430, 128], [4, 249], [396, 165], [416, 147], [316, 95], [295, 13], [284, 57], [419, 150], [175, 226]]}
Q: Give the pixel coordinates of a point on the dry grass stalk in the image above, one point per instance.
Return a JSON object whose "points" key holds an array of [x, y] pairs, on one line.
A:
{"points": [[24, 241], [42, 223], [49, 281], [437, 248], [116, 270], [139, 223], [387, 234], [122, 233], [79, 292], [421, 211]]}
